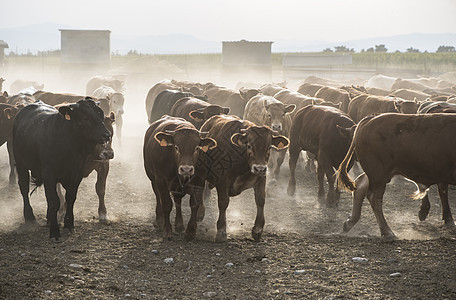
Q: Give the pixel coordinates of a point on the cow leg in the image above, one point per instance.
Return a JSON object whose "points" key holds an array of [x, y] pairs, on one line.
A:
{"points": [[280, 158], [100, 188], [331, 197], [260, 194], [119, 123], [53, 204], [167, 206], [223, 201], [362, 185], [158, 207], [206, 197], [24, 181], [375, 197], [178, 220], [446, 211], [12, 175], [321, 181], [196, 199], [62, 201], [294, 151], [70, 198], [310, 162]]}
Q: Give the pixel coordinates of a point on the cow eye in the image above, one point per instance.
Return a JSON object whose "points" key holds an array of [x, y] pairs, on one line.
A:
{"points": [[177, 148]]}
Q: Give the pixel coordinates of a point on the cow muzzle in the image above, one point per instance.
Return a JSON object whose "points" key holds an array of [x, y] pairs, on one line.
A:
{"points": [[186, 170], [277, 127], [105, 151], [259, 170]]}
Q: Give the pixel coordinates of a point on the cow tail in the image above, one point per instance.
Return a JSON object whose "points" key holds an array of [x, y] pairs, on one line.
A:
{"points": [[344, 182]]}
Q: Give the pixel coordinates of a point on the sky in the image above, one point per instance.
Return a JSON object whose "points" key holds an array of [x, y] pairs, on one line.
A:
{"points": [[316, 20]]}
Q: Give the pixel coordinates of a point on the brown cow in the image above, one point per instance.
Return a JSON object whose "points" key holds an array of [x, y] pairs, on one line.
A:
{"points": [[271, 89], [266, 110], [418, 147], [377, 91], [334, 95], [97, 81], [298, 99], [54, 99], [196, 111], [309, 89], [318, 129], [153, 93], [364, 105], [171, 149], [229, 98], [7, 113], [409, 94], [408, 84], [238, 163], [98, 160]]}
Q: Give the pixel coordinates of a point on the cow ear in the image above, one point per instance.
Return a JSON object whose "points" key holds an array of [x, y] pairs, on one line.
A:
{"points": [[207, 144], [9, 113], [196, 115], [239, 139], [280, 142], [164, 139], [112, 116], [397, 106], [5, 94], [226, 110], [346, 132], [66, 112], [290, 108]]}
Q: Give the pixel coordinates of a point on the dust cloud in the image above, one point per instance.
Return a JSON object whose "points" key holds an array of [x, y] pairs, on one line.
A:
{"points": [[129, 196]]}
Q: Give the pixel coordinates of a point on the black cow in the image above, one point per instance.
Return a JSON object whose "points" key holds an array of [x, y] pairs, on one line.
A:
{"points": [[54, 145], [165, 101]]}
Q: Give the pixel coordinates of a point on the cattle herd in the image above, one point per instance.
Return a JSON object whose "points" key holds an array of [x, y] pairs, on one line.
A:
{"points": [[203, 136]]}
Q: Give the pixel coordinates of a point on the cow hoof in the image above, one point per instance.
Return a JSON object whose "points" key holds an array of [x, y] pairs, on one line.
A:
{"points": [[424, 211], [190, 235], [389, 238], [449, 224], [179, 228], [220, 237], [291, 190], [347, 226], [256, 234]]}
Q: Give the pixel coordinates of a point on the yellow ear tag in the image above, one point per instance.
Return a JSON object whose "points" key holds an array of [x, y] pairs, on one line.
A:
{"points": [[8, 116], [205, 148], [163, 143], [280, 145], [67, 117]]}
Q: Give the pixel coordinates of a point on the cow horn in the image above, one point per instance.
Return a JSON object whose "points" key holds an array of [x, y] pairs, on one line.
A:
{"points": [[243, 130], [170, 132]]}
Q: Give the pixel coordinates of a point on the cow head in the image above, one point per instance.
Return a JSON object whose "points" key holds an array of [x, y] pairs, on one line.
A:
{"points": [[104, 151], [185, 144], [406, 107], [247, 94], [276, 114], [117, 103], [258, 141], [7, 117], [87, 119], [204, 113]]}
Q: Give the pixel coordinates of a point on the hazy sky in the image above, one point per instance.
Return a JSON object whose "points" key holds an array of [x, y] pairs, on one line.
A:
{"points": [[328, 20]]}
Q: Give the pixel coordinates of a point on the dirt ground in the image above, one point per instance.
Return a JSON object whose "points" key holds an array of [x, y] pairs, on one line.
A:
{"points": [[302, 254]]}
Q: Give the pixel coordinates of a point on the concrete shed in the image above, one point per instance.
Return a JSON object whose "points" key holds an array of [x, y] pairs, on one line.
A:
{"points": [[85, 50]]}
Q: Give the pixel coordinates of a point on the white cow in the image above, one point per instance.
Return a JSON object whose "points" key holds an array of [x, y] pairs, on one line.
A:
{"points": [[116, 102]]}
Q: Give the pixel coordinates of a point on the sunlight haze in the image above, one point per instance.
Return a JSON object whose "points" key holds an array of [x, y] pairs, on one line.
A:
{"points": [[326, 20]]}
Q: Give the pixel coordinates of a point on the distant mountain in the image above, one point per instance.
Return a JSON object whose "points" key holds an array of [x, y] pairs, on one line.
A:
{"points": [[46, 36], [166, 44]]}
